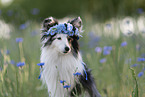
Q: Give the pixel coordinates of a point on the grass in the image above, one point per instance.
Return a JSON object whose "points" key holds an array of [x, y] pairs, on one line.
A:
{"points": [[114, 78]]}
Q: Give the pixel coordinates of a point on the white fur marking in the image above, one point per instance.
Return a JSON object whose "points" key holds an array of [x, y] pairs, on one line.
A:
{"points": [[59, 66]]}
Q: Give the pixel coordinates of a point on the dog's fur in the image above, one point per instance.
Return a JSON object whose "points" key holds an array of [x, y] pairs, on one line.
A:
{"points": [[62, 63]]}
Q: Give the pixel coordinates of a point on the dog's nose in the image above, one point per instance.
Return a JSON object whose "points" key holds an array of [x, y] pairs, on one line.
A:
{"points": [[67, 49]]}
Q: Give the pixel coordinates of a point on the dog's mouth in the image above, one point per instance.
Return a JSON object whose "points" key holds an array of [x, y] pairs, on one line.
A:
{"points": [[65, 52]]}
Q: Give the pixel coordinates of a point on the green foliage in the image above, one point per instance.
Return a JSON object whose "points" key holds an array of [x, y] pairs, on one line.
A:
{"points": [[135, 91], [98, 9]]}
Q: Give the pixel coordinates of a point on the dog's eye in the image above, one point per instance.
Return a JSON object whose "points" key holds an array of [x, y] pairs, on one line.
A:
{"points": [[59, 38]]}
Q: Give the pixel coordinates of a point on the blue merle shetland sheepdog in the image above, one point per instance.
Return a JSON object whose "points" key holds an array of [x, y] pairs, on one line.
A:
{"points": [[64, 73]]}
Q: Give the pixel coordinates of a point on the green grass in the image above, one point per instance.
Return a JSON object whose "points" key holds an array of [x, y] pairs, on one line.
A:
{"points": [[114, 78]]}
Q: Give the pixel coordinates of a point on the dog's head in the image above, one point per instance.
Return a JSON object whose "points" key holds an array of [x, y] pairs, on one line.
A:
{"points": [[61, 37]]}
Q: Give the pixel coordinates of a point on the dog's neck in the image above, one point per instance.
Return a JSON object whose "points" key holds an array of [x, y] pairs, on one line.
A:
{"points": [[59, 67]]}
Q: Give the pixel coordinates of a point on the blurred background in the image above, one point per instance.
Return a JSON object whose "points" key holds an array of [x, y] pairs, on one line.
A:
{"points": [[113, 44]]}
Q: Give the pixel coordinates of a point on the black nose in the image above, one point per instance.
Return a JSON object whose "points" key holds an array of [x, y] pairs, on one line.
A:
{"points": [[66, 48]]}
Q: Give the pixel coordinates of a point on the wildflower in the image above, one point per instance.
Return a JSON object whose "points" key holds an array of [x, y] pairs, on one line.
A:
{"points": [[77, 73], [143, 55], [12, 62], [20, 64], [52, 30], [40, 64], [67, 86], [19, 40], [98, 49], [141, 59], [61, 28], [140, 74], [35, 11], [71, 33], [39, 76], [134, 65], [22, 26], [109, 48], [123, 44], [140, 10], [62, 81], [106, 52], [103, 60]]}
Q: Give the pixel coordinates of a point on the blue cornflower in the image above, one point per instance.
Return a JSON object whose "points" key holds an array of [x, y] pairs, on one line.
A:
{"points": [[19, 40], [143, 55], [67, 86], [40, 64], [77, 73], [109, 48], [123, 44], [103, 60], [140, 59], [39, 76], [140, 10], [22, 26], [61, 28], [106, 52], [35, 11], [134, 65], [98, 49], [71, 33], [62, 81], [140, 74], [12, 62], [52, 30], [20, 64]]}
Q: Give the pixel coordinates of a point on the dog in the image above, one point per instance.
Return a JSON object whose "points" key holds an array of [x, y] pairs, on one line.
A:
{"points": [[64, 73]]}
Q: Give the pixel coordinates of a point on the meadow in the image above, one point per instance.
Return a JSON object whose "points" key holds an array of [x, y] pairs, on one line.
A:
{"points": [[116, 57]]}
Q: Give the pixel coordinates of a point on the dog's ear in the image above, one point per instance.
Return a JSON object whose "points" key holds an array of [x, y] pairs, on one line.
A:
{"points": [[49, 22], [77, 22]]}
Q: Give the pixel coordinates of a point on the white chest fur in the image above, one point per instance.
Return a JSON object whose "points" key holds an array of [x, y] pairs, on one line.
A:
{"points": [[59, 67]]}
